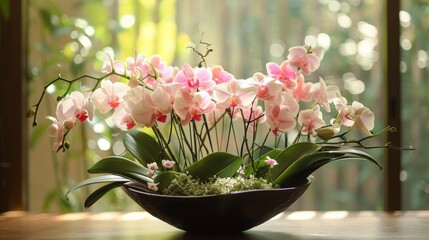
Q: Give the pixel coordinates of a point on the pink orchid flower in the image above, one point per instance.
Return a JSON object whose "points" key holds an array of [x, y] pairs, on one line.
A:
{"points": [[302, 91], [271, 162], [311, 120], [164, 95], [123, 114], [56, 131], [241, 170], [109, 65], [305, 59], [153, 186], [123, 118], [109, 95], [193, 80], [345, 111], [75, 107], [320, 94], [267, 87], [284, 73], [152, 166], [136, 69], [191, 106], [281, 115], [154, 106], [168, 164], [364, 118], [355, 115], [219, 75], [157, 67], [170, 77], [235, 93]]}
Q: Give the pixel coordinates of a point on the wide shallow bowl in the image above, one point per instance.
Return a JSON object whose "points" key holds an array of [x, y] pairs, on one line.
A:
{"points": [[225, 213]]}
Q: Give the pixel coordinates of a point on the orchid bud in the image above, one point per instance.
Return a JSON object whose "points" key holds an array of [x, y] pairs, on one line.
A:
{"points": [[325, 133], [69, 124], [30, 113], [66, 145]]}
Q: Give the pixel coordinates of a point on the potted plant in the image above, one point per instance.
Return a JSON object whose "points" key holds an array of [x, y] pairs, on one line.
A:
{"points": [[207, 147]]}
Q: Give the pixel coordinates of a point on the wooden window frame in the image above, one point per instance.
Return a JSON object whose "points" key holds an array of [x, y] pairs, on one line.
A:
{"points": [[13, 124], [392, 79]]}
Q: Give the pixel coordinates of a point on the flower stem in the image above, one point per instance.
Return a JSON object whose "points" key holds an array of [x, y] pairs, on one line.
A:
{"points": [[164, 143]]}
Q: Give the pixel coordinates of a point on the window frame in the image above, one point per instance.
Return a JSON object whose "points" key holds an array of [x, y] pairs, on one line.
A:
{"points": [[392, 80], [13, 108]]}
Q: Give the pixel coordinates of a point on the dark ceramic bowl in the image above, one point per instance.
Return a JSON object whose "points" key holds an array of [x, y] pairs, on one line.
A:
{"points": [[226, 213]]}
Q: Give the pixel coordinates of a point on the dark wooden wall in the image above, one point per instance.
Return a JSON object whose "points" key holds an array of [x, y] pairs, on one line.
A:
{"points": [[13, 134]]}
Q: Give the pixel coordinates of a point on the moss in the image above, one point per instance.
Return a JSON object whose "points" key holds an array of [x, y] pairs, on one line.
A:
{"points": [[185, 185]]}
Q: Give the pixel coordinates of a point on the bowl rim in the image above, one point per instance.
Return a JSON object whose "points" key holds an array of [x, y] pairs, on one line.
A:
{"points": [[134, 187]]}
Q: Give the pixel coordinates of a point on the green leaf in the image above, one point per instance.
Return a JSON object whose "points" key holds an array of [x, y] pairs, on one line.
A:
{"points": [[46, 19], [97, 194], [164, 179], [291, 154], [5, 9], [220, 164], [292, 175], [122, 166], [136, 177], [143, 147], [98, 179], [359, 154], [302, 168]]}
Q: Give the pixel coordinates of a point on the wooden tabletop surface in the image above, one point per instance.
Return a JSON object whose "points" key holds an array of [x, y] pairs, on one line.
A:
{"points": [[288, 225]]}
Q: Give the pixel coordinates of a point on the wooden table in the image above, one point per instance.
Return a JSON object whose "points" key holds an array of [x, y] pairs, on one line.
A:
{"points": [[288, 225]]}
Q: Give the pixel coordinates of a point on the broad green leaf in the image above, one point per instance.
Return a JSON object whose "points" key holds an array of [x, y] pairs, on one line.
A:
{"points": [[359, 154], [97, 194], [291, 154], [302, 168], [143, 147], [119, 165], [220, 164], [136, 177], [98, 179], [300, 177], [301, 165], [164, 179]]}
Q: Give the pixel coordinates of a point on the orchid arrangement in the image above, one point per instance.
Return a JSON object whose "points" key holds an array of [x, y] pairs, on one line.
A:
{"points": [[198, 126]]}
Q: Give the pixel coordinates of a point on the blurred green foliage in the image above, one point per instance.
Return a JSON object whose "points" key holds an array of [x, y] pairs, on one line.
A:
{"points": [[415, 103], [5, 9]]}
